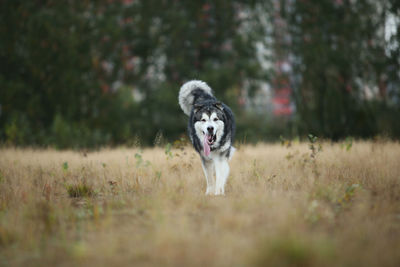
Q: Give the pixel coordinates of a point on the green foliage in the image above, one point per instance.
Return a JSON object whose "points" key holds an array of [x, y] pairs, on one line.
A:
{"points": [[68, 80], [65, 166], [340, 54], [17, 130], [349, 194], [95, 73], [253, 128], [313, 146], [139, 160], [167, 151], [80, 190], [65, 134], [285, 142], [347, 144]]}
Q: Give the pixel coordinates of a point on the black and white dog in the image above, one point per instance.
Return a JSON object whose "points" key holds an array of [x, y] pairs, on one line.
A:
{"points": [[211, 129]]}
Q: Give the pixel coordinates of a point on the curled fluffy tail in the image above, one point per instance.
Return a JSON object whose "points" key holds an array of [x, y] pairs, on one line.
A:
{"points": [[186, 96]]}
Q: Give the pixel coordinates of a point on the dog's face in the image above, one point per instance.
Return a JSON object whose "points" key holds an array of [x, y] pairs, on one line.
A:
{"points": [[209, 125]]}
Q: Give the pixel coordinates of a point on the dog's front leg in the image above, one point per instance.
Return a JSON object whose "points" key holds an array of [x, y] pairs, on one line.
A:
{"points": [[222, 172], [208, 167]]}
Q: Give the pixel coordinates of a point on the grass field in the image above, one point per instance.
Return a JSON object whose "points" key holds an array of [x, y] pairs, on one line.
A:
{"points": [[285, 205]]}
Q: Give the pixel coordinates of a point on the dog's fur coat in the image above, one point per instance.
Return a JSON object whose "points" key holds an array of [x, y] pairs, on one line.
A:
{"points": [[211, 130]]}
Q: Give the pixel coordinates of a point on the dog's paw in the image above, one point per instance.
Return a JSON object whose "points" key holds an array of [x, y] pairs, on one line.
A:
{"points": [[219, 192], [210, 191]]}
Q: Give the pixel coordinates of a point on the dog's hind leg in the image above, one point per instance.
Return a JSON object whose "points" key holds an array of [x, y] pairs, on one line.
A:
{"points": [[222, 172], [208, 167]]}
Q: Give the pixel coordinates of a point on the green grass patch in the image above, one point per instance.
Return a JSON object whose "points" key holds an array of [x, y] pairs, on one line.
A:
{"points": [[80, 190]]}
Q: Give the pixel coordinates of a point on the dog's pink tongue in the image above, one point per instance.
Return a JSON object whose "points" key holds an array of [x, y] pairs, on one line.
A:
{"points": [[206, 146]]}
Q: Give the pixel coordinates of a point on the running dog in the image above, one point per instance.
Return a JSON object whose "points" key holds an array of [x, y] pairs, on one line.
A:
{"points": [[211, 129]]}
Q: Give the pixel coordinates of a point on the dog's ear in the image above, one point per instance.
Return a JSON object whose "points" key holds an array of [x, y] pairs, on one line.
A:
{"points": [[197, 107], [219, 106]]}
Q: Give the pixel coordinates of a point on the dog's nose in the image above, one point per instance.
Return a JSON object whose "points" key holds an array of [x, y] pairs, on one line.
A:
{"points": [[210, 129]]}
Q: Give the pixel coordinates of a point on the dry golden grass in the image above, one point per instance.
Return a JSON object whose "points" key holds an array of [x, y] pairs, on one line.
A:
{"points": [[282, 208]]}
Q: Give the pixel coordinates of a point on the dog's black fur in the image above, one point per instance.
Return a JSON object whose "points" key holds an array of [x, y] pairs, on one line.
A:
{"points": [[212, 136], [206, 103]]}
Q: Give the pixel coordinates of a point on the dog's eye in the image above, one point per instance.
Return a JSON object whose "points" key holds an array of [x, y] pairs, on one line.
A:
{"points": [[203, 120], [215, 119]]}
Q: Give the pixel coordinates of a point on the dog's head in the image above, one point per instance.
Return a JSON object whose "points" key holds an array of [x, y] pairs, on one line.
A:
{"points": [[209, 121]]}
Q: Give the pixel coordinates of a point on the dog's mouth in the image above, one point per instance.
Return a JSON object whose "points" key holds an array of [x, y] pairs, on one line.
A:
{"points": [[210, 138], [208, 141]]}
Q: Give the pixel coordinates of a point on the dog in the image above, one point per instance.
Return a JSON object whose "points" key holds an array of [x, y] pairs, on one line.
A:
{"points": [[211, 130]]}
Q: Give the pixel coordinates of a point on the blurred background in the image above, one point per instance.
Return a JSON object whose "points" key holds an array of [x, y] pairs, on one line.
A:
{"points": [[84, 74]]}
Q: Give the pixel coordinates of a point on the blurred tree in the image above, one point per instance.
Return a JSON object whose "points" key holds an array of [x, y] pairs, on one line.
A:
{"points": [[83, 73], [88, 73], [339, 53], [46, 71], [183, 40]]}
